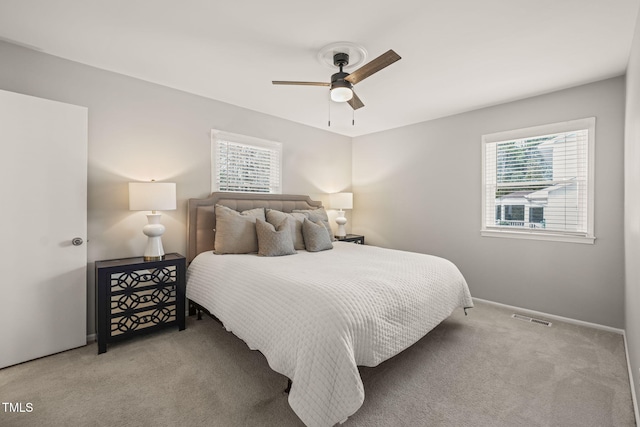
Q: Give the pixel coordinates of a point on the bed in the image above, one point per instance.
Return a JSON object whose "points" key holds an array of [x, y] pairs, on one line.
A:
{"points": [[317, 316]]}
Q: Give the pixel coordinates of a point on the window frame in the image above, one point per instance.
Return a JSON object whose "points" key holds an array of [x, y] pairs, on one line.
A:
{"points": [[587, 237], [218, 136]]}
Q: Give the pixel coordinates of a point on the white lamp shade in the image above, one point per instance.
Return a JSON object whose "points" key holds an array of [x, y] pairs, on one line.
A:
{"points": [[152, 196], [341, 200], [341, 94]]}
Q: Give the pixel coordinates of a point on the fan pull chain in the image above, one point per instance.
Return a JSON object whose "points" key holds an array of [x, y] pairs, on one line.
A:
{"points": [[329, 119], [353, 118]]}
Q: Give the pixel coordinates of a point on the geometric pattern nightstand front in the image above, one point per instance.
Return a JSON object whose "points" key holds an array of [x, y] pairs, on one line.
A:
{"points": [[137, 296]]}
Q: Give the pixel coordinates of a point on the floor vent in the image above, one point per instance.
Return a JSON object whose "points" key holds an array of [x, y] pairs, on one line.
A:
{"points": [[531, 319]]}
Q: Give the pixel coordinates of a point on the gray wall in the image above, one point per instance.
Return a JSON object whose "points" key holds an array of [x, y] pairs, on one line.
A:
{"points": [[140, 131], [418, 188], [632, 210]]}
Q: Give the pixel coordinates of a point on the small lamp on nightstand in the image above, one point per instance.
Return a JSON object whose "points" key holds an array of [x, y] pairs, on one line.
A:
{"points": [[153, 196], [341, 201]]}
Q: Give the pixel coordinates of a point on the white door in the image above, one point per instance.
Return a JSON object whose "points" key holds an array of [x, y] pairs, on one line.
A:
{"points": [[43, 207]]}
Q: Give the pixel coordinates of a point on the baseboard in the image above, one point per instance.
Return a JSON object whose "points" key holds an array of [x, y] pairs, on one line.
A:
{"points": [[634, 398], [534, 313], [91, 338]]}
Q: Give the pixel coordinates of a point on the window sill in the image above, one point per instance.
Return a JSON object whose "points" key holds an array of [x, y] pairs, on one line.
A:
{"points": [[553, 237]]}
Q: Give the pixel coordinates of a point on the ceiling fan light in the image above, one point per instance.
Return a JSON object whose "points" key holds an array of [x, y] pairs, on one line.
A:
{"points": [[341, 94]]}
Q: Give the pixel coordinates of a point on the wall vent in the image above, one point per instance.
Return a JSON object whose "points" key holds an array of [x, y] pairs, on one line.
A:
{"points": [[531, 319]]}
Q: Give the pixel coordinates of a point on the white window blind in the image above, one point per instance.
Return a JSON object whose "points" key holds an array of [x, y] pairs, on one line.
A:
{"points": [[245, 164], [538, 182]]}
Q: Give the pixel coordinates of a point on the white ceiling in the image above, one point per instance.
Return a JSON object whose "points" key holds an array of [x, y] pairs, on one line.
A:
{"points": [[457, 55]]}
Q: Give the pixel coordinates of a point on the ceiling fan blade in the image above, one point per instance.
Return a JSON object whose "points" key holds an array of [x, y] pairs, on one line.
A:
{"points": [[279, 82], [372, 67], [355, 102]]}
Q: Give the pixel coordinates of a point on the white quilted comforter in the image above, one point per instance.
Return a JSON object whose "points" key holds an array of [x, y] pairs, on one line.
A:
{"points": [[317, 316]]}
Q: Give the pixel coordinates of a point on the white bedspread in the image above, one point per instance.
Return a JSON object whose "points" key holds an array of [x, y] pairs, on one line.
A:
{"points": [[316, 316]]}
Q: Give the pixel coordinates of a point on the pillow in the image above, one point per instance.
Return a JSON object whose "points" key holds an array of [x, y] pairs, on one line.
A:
{"points": [[275, 241], [316, 215], [276, 217], [315, 235], [236, 231]]}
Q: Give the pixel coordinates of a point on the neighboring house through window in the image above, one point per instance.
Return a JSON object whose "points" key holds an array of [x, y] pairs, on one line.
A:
{"points": [[245, 164], [539, 182]]}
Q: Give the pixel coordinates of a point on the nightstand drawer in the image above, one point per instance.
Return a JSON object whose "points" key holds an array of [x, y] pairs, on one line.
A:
{"points": [[130, 302], [141, 320]]}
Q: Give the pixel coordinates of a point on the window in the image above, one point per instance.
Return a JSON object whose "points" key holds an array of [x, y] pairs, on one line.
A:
{"points": [[514, 213], [245, 164], [541, 180], [536, 215]]}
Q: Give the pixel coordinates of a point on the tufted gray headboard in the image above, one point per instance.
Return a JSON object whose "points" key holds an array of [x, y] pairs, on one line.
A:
{"points": [[201, 220]]}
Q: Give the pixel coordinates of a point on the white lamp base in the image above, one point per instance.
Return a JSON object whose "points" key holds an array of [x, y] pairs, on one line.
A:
{"points": [[341, 221], [154, 230]]}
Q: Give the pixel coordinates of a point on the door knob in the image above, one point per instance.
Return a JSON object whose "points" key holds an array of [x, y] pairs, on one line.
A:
{"points": [[77, 241]]}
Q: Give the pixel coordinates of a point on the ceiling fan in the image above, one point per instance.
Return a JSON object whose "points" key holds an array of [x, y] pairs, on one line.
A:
{"points": [[342, 83]]}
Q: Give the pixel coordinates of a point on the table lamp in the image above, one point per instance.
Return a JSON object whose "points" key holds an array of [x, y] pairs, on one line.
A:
{"points": [[341, 201], [152, 196]]}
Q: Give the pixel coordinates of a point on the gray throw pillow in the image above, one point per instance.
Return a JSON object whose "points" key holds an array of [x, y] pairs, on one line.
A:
{"points": [[275, 241], [316, 237], [316, 215], [275, 217], [236, 231]]}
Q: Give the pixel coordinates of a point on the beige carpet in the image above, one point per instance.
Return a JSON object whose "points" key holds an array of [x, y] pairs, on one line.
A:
{"points": [[485, 369]]}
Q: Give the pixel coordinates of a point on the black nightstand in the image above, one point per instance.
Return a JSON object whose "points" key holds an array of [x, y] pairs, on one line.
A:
{"points": [[137, 296], [355, 238]]}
